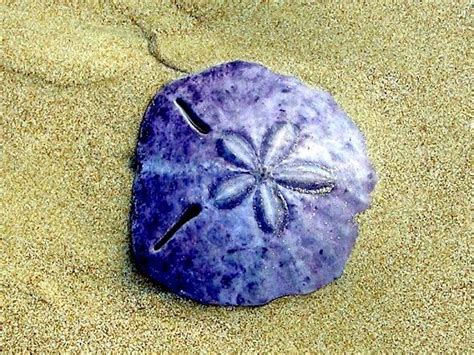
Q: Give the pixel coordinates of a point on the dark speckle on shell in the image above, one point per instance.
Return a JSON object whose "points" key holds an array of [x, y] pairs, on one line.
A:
{"points": [[246, 186]]}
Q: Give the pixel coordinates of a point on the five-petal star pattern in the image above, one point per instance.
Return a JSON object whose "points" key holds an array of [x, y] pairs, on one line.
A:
{"points": [[265, 172]]}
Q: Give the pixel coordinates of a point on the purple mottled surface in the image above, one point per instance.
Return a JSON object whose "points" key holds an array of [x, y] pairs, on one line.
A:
{"points": [[274, 173]]}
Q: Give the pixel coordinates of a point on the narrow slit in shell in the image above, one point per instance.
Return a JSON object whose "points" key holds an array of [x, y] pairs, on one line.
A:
{"points": [[192, 211], [193, 120]]}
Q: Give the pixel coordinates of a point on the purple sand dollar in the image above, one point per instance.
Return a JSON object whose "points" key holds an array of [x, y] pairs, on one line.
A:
{"points": [[247, 186]]}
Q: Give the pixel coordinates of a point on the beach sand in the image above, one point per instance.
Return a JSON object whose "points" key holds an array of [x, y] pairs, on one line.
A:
{"points": [[76, 79]]}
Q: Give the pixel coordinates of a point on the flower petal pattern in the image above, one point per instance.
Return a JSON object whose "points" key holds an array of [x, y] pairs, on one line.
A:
{"points": [[270, 207], [305, 177], [278, 142], [232, 190], [236, 149], [266, 172]]}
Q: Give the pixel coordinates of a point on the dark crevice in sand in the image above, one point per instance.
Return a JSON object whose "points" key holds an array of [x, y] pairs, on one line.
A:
{"points": [[153, 48]]}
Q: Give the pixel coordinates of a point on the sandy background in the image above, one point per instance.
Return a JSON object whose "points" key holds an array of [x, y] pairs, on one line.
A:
{"points": [[75, 80]]}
